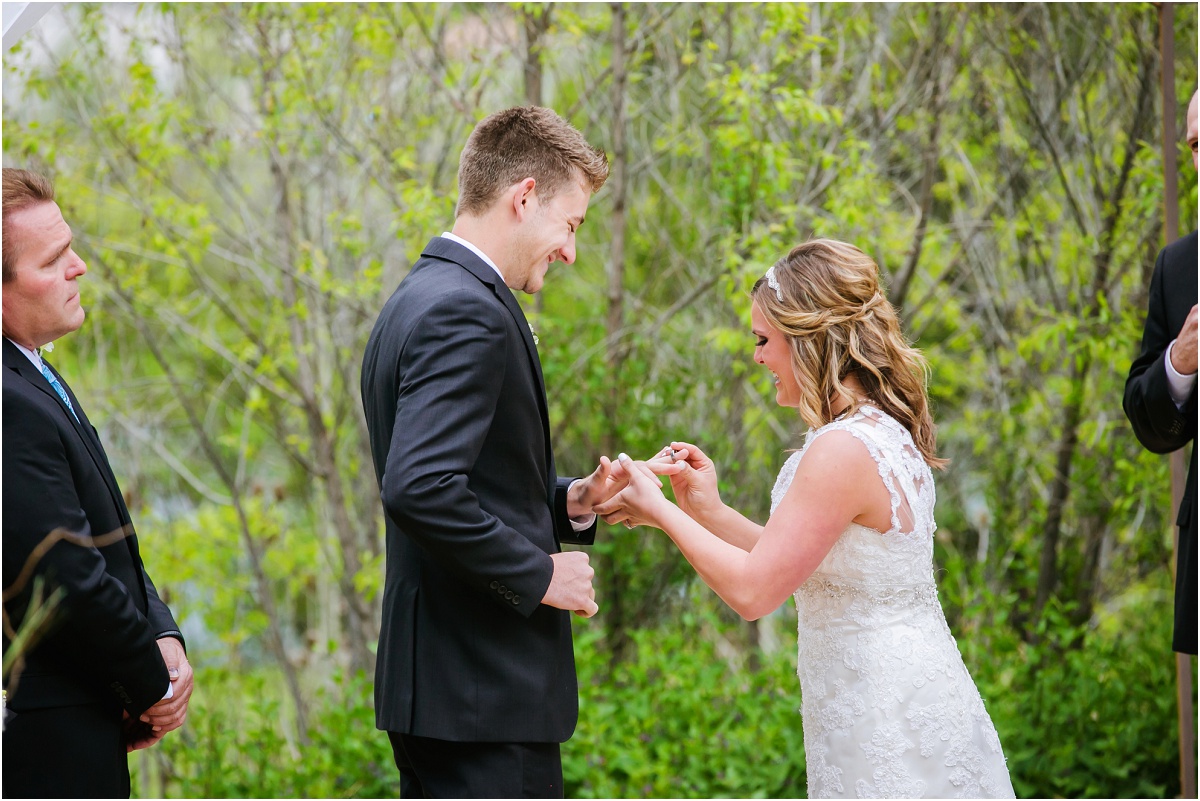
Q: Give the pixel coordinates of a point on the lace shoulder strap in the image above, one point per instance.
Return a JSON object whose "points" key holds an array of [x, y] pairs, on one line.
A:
{"points": [[878, 433]]}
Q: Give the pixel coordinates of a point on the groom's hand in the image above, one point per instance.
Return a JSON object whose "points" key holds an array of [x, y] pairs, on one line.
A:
{"points": [[571, 584], [137, 734], [605, 481], [169, 713], [1183, 355]]}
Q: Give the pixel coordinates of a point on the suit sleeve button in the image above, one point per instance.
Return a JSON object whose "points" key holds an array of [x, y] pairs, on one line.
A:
{"points": [[501, 589], [516, 600], [508, 596], [495, 584]]}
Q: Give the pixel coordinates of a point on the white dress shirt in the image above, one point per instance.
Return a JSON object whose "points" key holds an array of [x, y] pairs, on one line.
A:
{"points": [[32, 355], [1179, 385]]}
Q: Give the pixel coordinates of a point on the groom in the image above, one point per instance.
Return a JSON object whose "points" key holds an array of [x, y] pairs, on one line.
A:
{"points": [[475, 682]]}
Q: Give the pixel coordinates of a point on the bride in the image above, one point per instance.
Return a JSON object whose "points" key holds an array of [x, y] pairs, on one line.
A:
{"points": [[889, 708]]}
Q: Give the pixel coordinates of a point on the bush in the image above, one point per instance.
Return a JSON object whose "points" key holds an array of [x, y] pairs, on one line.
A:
{"points": [[1087, 712], [1095, 721], [235, 744], [678, 720]]}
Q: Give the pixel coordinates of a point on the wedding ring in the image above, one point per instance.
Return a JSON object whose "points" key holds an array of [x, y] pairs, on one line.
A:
{"points": [[627, 524], [672, 456]]}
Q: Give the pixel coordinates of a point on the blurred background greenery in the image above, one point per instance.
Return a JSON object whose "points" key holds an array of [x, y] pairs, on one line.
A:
{"points": [[249, 182]]}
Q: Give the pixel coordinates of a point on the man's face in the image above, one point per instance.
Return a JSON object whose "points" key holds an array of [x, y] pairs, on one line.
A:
{"points": [[41, 300], [1191, 131], [547, 235]]}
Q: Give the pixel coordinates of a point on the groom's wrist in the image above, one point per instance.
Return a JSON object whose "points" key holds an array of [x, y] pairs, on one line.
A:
{"points": [[575, 505]]}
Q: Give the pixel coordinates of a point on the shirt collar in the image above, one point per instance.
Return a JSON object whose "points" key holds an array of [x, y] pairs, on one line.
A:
{"points": [[476, 251], [29, 354]]}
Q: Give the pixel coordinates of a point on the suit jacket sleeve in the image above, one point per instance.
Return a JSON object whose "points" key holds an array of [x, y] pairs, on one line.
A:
{"points": [[110, 636], [162, 622], [452, 366], [1159, 425]]}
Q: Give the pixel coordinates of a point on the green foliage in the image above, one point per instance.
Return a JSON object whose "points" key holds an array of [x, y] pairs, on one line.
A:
{"points": [[1086, 713], [679, 721], [235, 744]]}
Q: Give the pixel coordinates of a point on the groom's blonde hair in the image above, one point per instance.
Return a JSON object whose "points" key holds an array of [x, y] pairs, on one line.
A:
{"points": [[838, 322], [525, 142]]}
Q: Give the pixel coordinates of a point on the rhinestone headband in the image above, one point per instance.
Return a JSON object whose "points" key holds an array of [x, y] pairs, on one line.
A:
{"points": [[773, 282]]}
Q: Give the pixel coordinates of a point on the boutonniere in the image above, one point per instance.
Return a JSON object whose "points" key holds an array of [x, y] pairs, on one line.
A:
{"points": [[536, 341], [47, 348]]}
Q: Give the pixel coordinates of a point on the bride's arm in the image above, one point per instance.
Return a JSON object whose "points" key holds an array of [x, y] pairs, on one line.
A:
{"points": [[694, 481], [732, 526], [836, 482]]}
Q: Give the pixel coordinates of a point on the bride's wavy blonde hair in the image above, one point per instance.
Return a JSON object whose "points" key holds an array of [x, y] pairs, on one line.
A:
{"points": [[838, 322]]}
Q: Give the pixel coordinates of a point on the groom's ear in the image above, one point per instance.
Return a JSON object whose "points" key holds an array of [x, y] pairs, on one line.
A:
{"points": [[523, 196]]}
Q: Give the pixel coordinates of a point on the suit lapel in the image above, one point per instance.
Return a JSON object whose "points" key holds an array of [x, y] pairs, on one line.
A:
{"points": [[17, 362], [92, 440], [514, 308], [448, 250]]}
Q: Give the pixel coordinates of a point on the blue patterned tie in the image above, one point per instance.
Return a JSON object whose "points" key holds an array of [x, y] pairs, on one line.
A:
{"points": [[62, 393]]}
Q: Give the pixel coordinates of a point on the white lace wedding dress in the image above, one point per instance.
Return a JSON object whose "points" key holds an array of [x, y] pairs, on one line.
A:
{"points": [[888, 706]]}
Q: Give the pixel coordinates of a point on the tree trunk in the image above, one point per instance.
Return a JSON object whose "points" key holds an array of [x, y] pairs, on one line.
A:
{"points": [[616, 351], [1060, 485]]}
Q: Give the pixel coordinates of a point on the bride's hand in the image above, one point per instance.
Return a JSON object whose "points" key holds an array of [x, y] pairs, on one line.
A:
{"points": [[636, 504], [693, 477]]}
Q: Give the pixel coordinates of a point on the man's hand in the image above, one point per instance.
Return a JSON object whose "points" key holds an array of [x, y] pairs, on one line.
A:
{"points": [[571, 585], [604, 482], [169, 713], [138, 735], [1183, 355]]}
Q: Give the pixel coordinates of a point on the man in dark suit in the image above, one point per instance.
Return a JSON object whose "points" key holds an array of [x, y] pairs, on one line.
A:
{"points": [[475, 682], [106, 673], [1160, 395]]}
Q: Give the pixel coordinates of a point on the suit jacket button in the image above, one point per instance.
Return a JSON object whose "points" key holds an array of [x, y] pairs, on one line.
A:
{"points": [[508, 596], [495, 584]]}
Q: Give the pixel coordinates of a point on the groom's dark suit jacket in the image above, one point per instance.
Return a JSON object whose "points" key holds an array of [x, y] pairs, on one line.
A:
{"points": [[456, 409], [101, 648], [1158, 423]]}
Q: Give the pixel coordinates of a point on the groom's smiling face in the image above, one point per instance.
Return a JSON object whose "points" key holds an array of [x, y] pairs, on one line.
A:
{"points": [[547, 235]]}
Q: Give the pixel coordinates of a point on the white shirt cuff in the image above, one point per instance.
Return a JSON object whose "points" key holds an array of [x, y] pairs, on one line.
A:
{"points": [[1179, 385], [170, 691], [583, 522]]}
